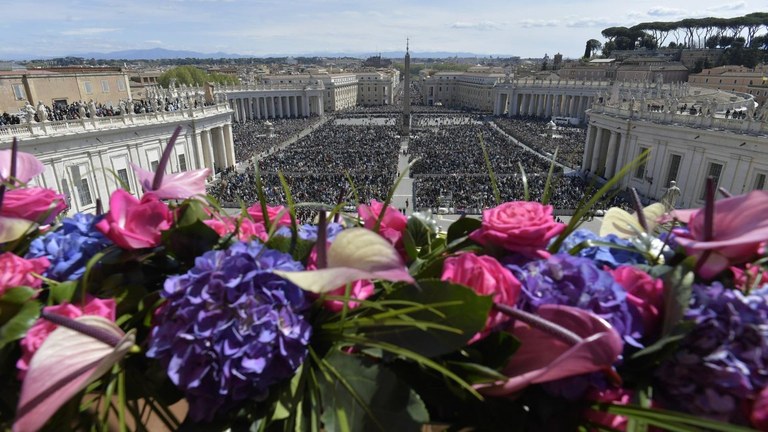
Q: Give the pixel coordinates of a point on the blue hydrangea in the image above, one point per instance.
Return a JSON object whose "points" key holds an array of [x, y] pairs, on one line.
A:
{"points": [[308, 232], [602, 255], [723, 362], [231, 328], [69, 247]]}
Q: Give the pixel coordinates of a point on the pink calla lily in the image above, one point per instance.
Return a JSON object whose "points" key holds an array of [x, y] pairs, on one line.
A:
{"points": [[66, 363], [181, 185], [543, 357], [356, 253]]}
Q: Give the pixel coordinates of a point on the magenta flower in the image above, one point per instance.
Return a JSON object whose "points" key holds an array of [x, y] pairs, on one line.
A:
{"points": [[34, 204], [739, 229], [276, 214], [19, 165], [580, 343], [181, 185], [16, 271], [392, 224]]}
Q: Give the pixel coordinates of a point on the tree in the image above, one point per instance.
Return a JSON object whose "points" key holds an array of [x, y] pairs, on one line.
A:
{"points": [[191, 75], [592, 46]]}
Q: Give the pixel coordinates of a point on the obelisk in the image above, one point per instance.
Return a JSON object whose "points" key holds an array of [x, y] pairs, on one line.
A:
{"points": [[406, 120]]}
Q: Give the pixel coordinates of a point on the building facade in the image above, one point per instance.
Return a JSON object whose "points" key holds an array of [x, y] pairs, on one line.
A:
{"points": [[461, 90], [86, 160], [735, 79]]}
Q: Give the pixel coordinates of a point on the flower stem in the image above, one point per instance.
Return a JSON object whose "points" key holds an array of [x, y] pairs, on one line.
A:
{"points": [[322, 239], [85, 329], [639, 210], [158, 180], [540, 323], [14, 155]]}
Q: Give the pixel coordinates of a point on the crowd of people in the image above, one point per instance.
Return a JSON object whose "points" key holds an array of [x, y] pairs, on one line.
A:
{"points": [[317, 166], [532, 131], [471, 193], [257, 137], [456, 149]]}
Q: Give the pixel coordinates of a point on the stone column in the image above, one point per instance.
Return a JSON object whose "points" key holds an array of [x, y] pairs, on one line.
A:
{"points": [[589, 147], [305, 105], [279, 105], [548, 106], [220, 160], [596, 150], [229, 145], [513, 111], [233, 103], [294, 113], [208, 150], [610, 159], [197, 142], [257, 107]]}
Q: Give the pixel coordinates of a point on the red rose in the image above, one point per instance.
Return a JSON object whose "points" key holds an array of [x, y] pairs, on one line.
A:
{"points": [[134, 224], [486, 277], [519, 226]]}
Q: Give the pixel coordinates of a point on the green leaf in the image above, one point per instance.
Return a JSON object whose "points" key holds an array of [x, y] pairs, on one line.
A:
{"points": [[190, 241], [365, 396], [18, 312], [418, 231], [62, 292], [677, 294], [464, 311], [461, 228], [548, 184], [494, 184], [668, 420], [410, 245]]}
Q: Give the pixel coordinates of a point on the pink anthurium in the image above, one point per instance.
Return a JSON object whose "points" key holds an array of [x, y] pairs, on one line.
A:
{"points": [[66, 363], [19, 165], [580, 343], [356, 253], [734, 233], [181, 185]]}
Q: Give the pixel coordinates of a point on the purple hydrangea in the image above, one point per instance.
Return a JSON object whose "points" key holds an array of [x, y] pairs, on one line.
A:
{"points": [[231, 328], [603, 255], [567, 280], [563, 279], [69, 247], [723, 362]]}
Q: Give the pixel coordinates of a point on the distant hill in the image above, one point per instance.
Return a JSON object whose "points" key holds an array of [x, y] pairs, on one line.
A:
{"points": [[155, 54], [162, 53]]}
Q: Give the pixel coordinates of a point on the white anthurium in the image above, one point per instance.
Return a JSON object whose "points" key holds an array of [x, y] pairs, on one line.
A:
{"points": [[355, 254], [626, 225]]}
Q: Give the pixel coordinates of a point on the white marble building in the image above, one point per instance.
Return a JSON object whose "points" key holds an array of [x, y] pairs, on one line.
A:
{"points": [[88, 159]]}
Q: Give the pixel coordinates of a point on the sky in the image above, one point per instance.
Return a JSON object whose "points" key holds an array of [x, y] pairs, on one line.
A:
{"points": [[530, 28]]}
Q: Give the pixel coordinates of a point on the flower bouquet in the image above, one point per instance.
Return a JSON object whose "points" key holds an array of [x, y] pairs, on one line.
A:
{"points": [[167, 313]]}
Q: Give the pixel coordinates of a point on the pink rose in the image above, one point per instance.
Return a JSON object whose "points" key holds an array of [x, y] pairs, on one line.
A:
{"points": [[518, 226], [134, 224], [392, 225], [643, 291], [39, 331], [746, 278], [361, 290], [246, 228], [759, 415], [486, 277], [33, 204], [16, 271], [272, 212], [740, 229]]}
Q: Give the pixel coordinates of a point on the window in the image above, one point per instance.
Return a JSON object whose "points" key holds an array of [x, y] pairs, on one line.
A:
{"points": [[640, 171], [88, 87], [759, 182], [674, 167], [154, 165], [182, 163], [66, 192], [714, 171], [85, 192], [18, 91], [121, 84], [105, 86], [122, 174]]}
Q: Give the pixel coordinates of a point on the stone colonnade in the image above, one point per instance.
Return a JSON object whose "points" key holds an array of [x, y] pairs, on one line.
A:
{"points": [[546, 103], [250, 107], [214, 148]]}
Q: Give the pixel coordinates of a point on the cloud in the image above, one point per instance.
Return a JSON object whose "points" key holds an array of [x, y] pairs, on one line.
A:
{"points": [[661, 11], [728, 7], [153, 42], [590, 22], [89, 31], [480, 25], [531, 23]]}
